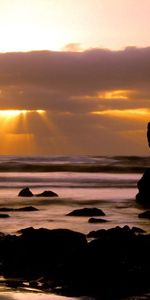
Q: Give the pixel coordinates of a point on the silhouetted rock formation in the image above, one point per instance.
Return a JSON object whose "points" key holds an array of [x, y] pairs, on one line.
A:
{"points": [[87, 212], [143, 196], [117, 232], [26, 208], [148, 133], [145, 215], [97, 220], [115, 265], [47, 194], [3, 216], [25, 192]]}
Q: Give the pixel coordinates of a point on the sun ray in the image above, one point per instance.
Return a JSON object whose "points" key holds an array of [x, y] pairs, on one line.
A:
{"points": [[15, 133]]}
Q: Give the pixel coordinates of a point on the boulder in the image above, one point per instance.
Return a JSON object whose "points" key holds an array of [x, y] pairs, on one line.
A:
{"points": [[26, 208], [4, 216], [43, 252], [119, 232], [97, 220], [87, 212], [25, 192], [145, 215], [47, 194]]}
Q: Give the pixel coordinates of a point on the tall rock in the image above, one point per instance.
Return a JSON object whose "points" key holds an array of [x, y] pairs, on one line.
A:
{"points": [[143, 196]]}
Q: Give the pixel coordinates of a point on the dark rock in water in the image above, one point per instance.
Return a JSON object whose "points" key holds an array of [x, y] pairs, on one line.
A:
{"points": [[97, 220], [87, 212], [6, 209], [143, 196], [145, 214], [64, 258], [25, 193], [47, 194], [26, 208], [3, 216]]}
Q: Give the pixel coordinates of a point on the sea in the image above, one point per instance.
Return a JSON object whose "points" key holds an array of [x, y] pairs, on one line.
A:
{"points": [[108, 183]]}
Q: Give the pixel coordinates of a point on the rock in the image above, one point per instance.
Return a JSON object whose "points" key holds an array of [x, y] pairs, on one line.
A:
{"points": [[121, 232], [148, 133], [87, 212], [42, 251], [97, 220], [6, 209], [143, 196], [122, 257], [63, 258], [47, 194], [137, 230], [25, 192], [145, 215], [26, 208], [3, 216]]}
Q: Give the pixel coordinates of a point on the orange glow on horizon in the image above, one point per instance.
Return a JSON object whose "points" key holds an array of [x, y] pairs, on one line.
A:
{"points": [[126, 113], [115, 94], [108, 95]]}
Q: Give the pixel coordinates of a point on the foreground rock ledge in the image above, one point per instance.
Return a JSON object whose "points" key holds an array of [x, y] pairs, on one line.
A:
{"points": [[115, 265]]}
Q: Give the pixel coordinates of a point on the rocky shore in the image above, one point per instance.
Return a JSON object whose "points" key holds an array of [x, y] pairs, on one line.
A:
{"points": [[107, 264]]}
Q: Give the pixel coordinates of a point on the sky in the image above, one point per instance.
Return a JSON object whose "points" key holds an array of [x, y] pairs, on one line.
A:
{"points": [[74, 77]]}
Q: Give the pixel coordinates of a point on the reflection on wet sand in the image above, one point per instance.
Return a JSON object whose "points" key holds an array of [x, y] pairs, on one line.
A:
{"points": [[32, 295]]}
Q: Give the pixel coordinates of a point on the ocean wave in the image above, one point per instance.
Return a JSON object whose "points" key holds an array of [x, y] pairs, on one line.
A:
{"points": [[58, 163]]}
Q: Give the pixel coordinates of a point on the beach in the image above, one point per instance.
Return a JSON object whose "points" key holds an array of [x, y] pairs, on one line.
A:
{"points": [[113, 192]]}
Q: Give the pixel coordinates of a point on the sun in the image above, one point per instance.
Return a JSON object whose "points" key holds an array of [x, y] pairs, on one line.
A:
{"points": [[14, 112]]}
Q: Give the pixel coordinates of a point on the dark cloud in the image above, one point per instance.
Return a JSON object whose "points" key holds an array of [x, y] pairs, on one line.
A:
{"points": [[70, 85], [54, 80]]}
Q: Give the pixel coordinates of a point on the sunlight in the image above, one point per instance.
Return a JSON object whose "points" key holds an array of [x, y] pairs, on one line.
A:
{"points": [[108, 95], [9, 113], [115, 94], [15, 132], [14, 113], [126, 113]]}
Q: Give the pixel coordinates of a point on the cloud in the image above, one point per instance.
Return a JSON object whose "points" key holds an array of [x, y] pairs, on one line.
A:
{"points": [[54, 80], [72, 47], [70, 86]]}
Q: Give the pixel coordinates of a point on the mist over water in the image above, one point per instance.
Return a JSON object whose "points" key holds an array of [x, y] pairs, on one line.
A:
{"points": [[80, 181]]}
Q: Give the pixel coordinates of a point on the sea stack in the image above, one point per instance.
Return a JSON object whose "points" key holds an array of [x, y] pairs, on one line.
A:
{"points": [[143, 196]]}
